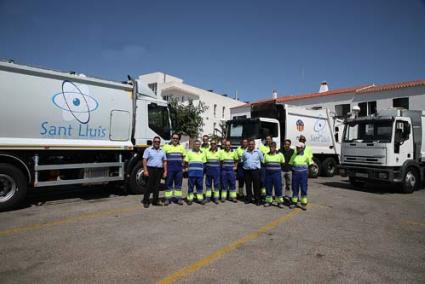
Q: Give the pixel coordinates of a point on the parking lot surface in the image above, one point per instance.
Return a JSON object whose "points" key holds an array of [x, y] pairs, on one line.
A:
{"points": [[101, 235]]}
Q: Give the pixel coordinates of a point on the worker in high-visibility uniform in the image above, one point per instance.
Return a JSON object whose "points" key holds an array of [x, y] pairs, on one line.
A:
{"points": [[273, 162], [205, 146], [307, 148], [212, 171], [194, 164], [264, 148], [240, 171], [175, 154], [300, 161], [229, 161]]}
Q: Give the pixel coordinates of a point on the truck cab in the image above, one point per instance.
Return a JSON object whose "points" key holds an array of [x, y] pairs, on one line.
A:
{"points": [[384, 147]]}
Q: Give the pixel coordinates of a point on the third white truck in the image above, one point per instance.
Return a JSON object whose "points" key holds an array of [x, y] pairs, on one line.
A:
{"points": [[385, 147]]}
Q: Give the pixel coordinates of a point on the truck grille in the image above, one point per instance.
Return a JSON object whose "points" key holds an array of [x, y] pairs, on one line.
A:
{"points": [[375, 160]]}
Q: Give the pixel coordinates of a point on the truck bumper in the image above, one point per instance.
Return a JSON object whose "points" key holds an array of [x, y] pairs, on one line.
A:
{"points": [[388, 174]]}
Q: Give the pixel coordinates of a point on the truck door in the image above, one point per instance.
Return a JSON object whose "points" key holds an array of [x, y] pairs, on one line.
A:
{"points": [[403, 141], [120, 125]]}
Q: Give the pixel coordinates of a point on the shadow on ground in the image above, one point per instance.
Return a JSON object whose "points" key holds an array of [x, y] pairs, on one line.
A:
{"points": [[73, 194], [378, 188]]}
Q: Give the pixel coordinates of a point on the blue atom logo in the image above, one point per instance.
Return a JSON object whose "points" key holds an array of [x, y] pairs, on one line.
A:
{"points": [[72, 100], [319, 125]]}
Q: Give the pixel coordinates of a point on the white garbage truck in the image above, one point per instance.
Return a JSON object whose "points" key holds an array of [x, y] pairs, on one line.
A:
{"points": [[61, 128], [281, 121], [385, 147]]}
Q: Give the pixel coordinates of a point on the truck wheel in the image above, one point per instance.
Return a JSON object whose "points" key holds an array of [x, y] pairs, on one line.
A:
{"points": [[13, 186], [314, 169], [329, 167], [356, 182], [410, 181], [137, 181]]}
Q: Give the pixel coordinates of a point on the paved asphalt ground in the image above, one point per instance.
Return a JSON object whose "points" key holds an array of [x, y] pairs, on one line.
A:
{"points": [[95, 235]]}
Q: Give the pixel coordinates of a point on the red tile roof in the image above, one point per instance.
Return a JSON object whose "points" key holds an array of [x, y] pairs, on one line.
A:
{"points": [[356, 90], [393, 86]]}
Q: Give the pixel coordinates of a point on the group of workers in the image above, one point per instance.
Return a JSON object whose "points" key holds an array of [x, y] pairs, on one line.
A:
{"points": [[262, 171]]}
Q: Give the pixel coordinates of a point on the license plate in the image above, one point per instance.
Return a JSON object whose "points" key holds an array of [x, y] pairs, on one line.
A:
{"points": [[362, 175]]}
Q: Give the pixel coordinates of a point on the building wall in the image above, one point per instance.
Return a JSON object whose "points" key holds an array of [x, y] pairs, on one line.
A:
{"points": [[384, 100], [175, 87]]}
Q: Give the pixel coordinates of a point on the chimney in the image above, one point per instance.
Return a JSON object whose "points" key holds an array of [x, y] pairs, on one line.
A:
{"points": [[274, 94], [323, 87]]}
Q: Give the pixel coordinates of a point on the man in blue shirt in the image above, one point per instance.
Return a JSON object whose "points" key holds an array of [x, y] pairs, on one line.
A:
{"points": [[154, 167], [251, 163]]}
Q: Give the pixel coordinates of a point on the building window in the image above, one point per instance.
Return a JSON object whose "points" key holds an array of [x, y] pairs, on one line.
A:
{"points": [[342, 110], [214, 126], [153, 87], [182, 98], [401, 102], [222, 114], [363, 109], [371, 107], [215, 110], [367, 108]]}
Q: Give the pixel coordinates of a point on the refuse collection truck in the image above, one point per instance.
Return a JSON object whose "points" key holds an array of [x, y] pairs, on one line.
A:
{"points": [[61, 128], [282, 121], [385, 147]]}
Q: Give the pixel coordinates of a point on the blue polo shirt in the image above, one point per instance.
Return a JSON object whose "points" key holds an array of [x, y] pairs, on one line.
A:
{"points": [[252, 160], [155, 157]]}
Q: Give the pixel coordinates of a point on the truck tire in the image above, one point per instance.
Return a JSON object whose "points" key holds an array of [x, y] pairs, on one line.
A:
{"points": [[13, 187], [328, 167], [355, 182], [314, 169], [138, 181], [410, 181]]}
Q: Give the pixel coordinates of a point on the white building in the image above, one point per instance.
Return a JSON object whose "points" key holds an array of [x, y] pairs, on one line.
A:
{"points": [[218, 105], [370, 98]]}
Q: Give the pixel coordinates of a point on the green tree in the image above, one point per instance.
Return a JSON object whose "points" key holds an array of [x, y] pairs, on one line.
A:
{"points": [[187, 119]]}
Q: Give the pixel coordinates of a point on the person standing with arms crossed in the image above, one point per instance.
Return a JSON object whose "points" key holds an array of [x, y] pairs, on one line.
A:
{"points": [[240, 176], [300, 161], [228, 160], [273, 162], [287, 152], [251, 160], [154, 167], [175, 153], [194, 164], [212, 171]]}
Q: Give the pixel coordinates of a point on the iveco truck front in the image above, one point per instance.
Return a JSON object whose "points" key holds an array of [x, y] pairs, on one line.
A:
{"points": [[384, 147]]}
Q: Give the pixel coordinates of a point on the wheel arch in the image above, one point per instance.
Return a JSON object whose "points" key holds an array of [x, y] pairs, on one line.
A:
{"points": [[18, 162], [415, 165]]}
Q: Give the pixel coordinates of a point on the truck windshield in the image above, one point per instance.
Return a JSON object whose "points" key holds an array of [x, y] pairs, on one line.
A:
{"points": [[159, 120], [237, 129], [364, 131]]}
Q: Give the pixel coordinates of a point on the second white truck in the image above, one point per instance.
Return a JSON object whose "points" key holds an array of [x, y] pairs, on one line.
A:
{"points": [[322, 131]]}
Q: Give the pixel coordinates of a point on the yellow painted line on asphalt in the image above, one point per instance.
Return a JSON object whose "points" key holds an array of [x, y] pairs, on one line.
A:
{"points": [[409, 222], [226, 249], [83, 217]]}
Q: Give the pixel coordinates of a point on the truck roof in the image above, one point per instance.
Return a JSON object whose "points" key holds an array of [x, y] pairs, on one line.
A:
{"points": [[13, 67]]}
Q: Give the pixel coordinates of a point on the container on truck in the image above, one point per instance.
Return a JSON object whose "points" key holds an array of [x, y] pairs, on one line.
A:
{"points": [[61, 128], [385, 147], [282, 121]]}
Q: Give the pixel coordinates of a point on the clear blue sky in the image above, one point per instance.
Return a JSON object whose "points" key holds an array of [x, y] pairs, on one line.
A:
{"points": [[249, 46]]}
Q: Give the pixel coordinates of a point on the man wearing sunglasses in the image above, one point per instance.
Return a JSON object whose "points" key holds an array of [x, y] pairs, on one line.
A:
{"points": [[154, 167], [175, 155]]}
